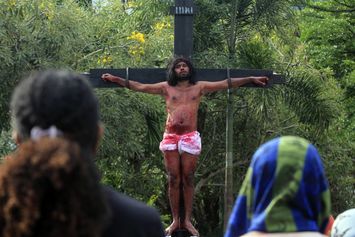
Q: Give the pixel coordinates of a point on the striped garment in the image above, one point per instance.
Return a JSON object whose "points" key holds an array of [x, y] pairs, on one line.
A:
{"points": [[285, 190]]}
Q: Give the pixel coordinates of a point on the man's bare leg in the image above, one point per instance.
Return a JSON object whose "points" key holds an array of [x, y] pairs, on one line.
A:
{"points": [[172, 166], [189, 163]]}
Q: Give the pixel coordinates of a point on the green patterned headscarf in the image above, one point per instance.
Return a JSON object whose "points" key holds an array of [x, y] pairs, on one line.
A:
{"points": [[285, 190]]}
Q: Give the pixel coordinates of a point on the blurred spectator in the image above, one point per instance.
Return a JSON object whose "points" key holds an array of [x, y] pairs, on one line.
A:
{"points": [[46, 187], [285, 191], [344, 224], [62, 104]]}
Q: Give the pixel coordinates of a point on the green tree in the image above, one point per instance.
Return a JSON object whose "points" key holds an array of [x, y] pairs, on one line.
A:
{"points": [[328, 30], [36, 35], [317, 102]]}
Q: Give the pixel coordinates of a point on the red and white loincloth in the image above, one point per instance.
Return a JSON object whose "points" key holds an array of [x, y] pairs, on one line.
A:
{"points": [[189, 142]]}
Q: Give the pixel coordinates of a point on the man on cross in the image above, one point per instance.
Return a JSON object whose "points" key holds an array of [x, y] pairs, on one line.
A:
{"points": [[181, 141]]}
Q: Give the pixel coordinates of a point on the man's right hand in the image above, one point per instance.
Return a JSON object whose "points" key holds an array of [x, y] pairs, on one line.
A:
{"points": [[260, 81]]}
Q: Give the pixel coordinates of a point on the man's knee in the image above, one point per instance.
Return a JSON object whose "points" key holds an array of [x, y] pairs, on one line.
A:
{"points": [[188, 179], [174, 180]]}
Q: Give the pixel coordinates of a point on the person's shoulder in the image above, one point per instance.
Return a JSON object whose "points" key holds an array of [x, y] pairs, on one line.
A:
{"points": [[287, 234], [201, 84], [123, 202], [130, 217], [163, 86]]}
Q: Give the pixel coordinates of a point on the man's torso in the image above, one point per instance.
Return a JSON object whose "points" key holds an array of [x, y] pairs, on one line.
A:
{"points": [[182, 106]]}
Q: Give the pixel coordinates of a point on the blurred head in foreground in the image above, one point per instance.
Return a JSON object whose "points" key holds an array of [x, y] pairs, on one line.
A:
{"points": [[49, 186], [344, 224], [285, 190]]}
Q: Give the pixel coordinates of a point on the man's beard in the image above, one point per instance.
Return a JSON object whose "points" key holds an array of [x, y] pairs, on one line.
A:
{"points": [[185, 77]]}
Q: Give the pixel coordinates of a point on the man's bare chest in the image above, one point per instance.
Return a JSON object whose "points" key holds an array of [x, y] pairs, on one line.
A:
{"points": [[183, 96]]}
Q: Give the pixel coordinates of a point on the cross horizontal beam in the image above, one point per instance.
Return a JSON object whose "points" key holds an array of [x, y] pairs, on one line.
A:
{"points": [[156, 75]]}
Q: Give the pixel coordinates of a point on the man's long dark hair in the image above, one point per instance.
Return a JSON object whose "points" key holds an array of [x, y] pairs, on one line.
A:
{"points": [[172, 78]]}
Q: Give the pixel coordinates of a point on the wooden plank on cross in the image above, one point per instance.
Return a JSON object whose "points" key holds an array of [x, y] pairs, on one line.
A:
{"points": [[155, 75]]}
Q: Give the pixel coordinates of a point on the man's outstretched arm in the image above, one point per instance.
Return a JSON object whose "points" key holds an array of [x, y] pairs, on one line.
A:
{"points": [[208, 87], [156, 88]]}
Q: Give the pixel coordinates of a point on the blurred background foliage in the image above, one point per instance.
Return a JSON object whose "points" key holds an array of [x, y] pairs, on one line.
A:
{"points": [[309, 42]]}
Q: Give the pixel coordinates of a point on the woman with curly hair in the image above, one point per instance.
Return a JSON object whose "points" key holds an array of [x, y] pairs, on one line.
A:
{"points": [[48, 189], [51, 187]]}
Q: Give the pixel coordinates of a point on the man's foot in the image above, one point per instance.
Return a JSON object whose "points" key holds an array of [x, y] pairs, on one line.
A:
{"points": [[171, 228], [190, 228]]}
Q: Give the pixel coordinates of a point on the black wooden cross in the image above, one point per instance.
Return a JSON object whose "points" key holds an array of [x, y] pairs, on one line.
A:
{"points": [[183, 46]]}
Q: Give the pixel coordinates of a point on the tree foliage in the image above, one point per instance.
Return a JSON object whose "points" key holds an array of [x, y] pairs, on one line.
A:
{"points": [[36, 35], [309, 42], [328, 30]]}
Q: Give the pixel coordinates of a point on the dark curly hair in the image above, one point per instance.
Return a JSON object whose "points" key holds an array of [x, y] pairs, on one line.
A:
{"points": [[171, 75], [56, 98], [48, 188]]}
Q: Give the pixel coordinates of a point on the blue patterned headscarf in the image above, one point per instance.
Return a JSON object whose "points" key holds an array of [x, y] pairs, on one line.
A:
{"points": [[285, 190]]}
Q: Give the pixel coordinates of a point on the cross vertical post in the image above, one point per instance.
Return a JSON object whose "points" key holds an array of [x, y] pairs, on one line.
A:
{"points": [[228, 180]]}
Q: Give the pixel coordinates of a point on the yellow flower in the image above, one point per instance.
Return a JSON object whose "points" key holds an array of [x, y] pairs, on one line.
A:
{"points": [[136, 50], [42, 6], [137, 36], [49, 15], [159, 26], [131, 4], [11, 3], [257, 37], [106, 59], [48, 10]]}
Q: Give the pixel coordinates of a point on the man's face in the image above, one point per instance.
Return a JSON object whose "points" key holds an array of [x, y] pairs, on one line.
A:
{"points": [[182, 71]]}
